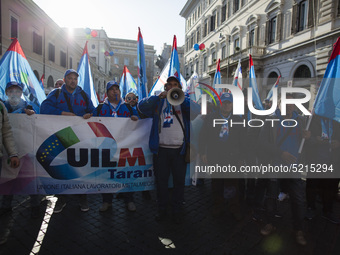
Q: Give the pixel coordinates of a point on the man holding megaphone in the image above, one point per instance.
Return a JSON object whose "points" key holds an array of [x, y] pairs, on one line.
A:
{"points": [[170, 111]]}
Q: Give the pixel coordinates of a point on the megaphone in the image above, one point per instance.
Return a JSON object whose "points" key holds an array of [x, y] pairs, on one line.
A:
{"points": [[175, 96]]}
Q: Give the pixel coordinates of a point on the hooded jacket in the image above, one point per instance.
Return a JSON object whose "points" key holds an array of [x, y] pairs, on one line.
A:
{"points": [[122, 110], [55, 104]]}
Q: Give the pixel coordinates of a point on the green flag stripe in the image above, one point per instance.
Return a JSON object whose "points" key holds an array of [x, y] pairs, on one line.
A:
{"points": [[67, 137]]}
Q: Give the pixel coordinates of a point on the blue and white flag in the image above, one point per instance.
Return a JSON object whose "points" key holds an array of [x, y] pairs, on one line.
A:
{"points": [[127, 83], [141, 66], [253, 85], [85, 80], [327, 102], [15, 67]]}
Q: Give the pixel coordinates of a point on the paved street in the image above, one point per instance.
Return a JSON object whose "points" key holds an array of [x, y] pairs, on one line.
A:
{"points": [[121, 232]]}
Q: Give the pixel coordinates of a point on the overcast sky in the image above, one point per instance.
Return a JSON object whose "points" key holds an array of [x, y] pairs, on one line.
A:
{"points": [[159, 20]]}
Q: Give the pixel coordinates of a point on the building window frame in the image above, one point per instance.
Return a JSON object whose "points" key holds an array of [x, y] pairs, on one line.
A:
{"points": [[37, 43], [236, 5], [224, 11], [213, 56], [213, 21], [205, 63], [51, 52], [14, 23], [272, 28], [205, 28], [302, 18], [63, 61], [223, 51]]}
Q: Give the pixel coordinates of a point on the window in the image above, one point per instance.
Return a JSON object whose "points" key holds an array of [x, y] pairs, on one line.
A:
{"points": [[62, 59], [51, 52], [213, 57], [36, 74], [50, 82], [205, 63], [302, 16], [224, 11], [224, 50], [196, 67], [229, 10], [236, 45], [272, 30], [198, 34], [93, 46], [71, 62], [37, 43], [251, 37], [126, 61], [236, 5], [135, 62], [205, 29], [14, 27], [302, 72], [213, 21], [116, 60], [192, 41]]}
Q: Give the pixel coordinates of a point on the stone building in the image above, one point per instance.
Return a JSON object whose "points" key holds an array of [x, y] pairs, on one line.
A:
{"points": [[125, 53], [49, 49], [289, 38]]}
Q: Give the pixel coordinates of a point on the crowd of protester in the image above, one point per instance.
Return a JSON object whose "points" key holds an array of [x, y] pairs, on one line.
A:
{"points": [[224, 144]]}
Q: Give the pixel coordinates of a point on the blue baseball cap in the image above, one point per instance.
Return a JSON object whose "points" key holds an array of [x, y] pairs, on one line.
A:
{"points": [[14, 83], [227, 97], [110, 84], [69, 71], [173, 77]]}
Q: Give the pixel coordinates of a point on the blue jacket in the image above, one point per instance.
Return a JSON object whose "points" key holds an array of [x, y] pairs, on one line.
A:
{"points": [[20, 108], [55, 106], [106, 110], [152, 107]]}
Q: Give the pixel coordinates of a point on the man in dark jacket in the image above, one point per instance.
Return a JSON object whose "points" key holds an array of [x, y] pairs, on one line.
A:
{"points": [[69, 100], [168, 138], [280, 145], [221, 145]]}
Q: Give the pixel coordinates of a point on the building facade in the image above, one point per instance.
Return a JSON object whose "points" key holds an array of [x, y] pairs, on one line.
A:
{"points": [[49, 49], [289, 38], [165, 55], [125, 53]]}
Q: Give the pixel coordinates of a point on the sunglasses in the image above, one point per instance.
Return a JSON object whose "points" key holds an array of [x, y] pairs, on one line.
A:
{"points": [[131, 98]]}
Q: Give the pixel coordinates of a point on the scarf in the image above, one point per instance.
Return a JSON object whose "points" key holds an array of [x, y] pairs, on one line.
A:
{"points": [[224, 132], [167, 115]]}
